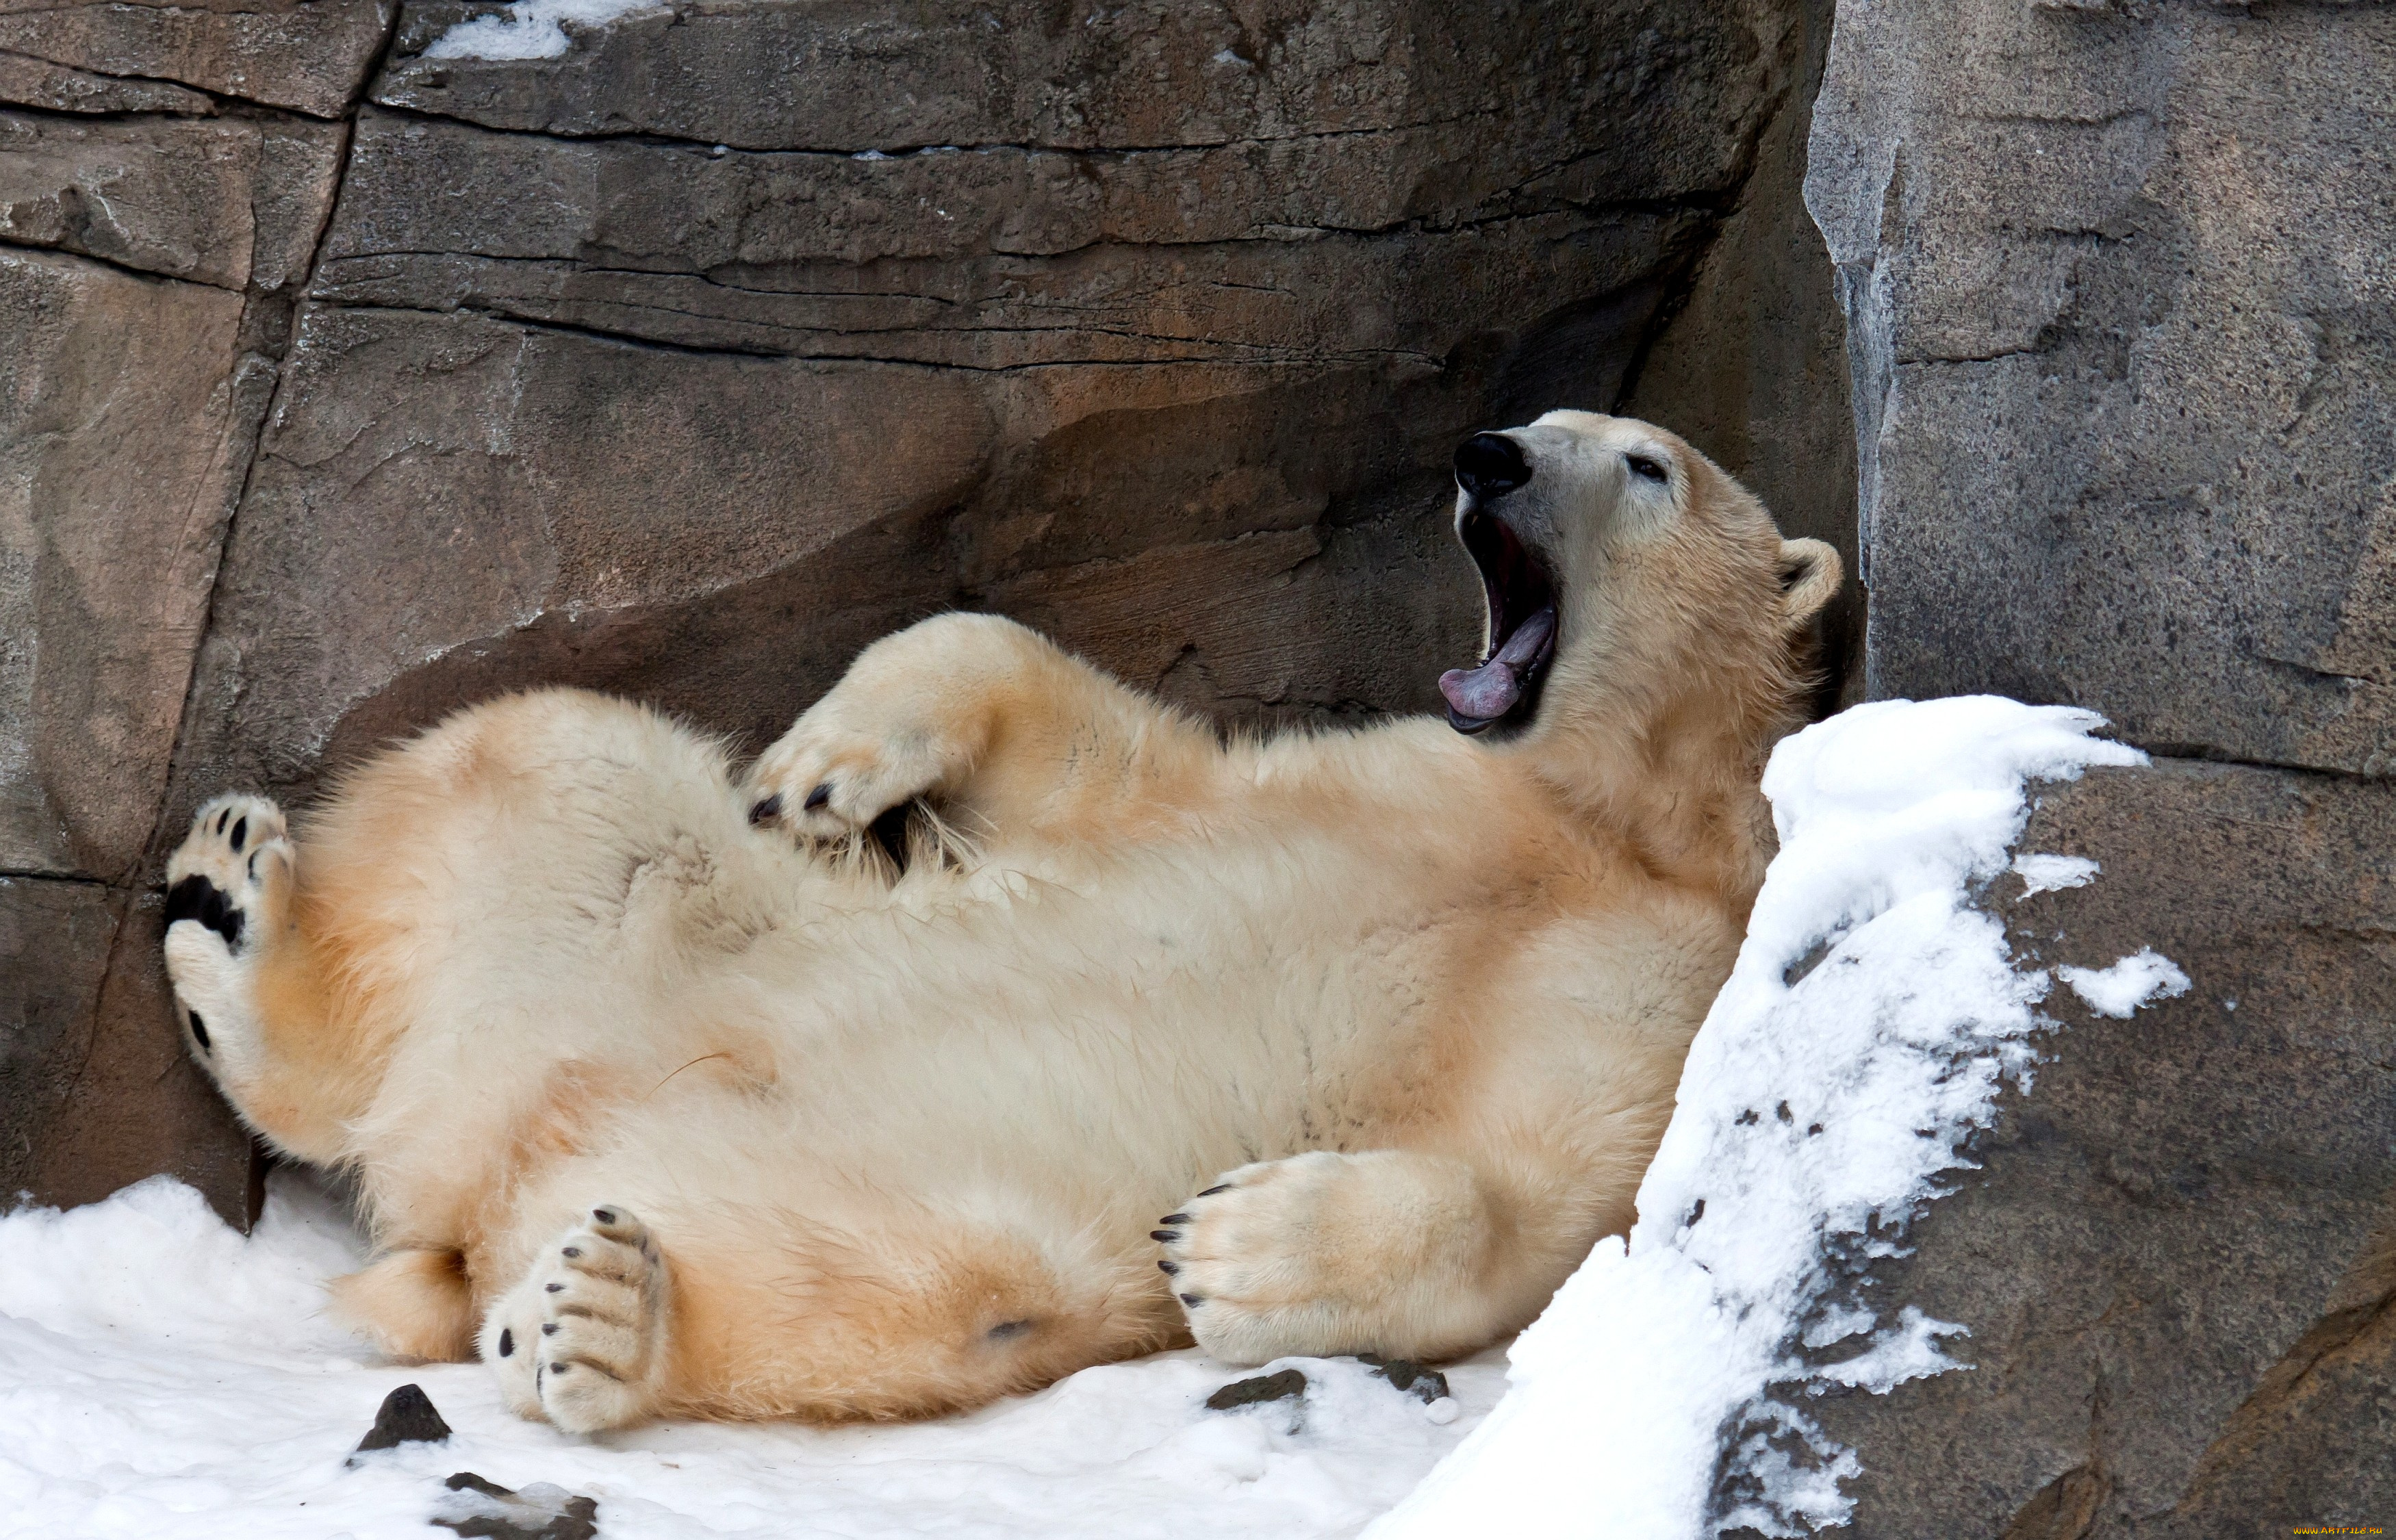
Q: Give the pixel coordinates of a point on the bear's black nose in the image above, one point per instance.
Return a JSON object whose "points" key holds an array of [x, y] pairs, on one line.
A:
{"points": [[1488, 464]]}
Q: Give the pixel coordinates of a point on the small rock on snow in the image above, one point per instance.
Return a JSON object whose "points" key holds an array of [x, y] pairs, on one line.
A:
{"points": [[474, 1507], [407, 1417], [1253, 1392], [1425, 1385]]}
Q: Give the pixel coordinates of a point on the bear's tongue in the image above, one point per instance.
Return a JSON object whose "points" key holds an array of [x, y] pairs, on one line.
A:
{"points": [[1491, 690]]}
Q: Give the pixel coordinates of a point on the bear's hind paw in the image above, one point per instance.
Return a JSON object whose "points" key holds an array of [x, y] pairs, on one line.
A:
{"points": [[587, 1329]]}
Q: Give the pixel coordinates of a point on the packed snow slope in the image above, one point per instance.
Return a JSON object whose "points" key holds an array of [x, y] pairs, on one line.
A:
{"points": [[162, 1377]]}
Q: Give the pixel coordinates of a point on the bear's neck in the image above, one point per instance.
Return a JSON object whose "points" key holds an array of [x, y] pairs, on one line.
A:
{"points": [[1679, 783]]}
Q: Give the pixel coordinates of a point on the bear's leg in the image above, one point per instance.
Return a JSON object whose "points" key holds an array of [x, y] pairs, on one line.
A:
{"points": [[415, 1304], [1013, 735], [1393, 1252]]}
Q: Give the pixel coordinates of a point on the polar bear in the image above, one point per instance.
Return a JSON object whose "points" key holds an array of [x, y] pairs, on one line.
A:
{"points": [[668, 1094]]}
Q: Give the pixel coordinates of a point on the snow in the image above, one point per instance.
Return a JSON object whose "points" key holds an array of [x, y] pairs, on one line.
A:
{"points": [[2051, 873], [529, 29], [1866, 1030], [2121, 988], [162, 1377], [165, 1377]]}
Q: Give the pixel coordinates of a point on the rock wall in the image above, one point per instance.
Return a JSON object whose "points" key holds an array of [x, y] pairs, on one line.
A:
{"points": [[2120, 280], [346, 383]]}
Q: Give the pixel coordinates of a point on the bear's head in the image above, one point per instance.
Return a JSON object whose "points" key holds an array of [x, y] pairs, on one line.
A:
{"points": [[1631, 581]]}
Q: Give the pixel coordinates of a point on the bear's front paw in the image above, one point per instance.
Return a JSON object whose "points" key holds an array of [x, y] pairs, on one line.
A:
{"points": [[226, 887], [830, 777], [582, 1340]]}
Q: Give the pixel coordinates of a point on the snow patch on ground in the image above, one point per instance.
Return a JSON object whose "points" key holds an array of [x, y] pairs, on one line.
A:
{"points": [[164, 1377], [2121, 988], [1865, 1031], [529, 29]]}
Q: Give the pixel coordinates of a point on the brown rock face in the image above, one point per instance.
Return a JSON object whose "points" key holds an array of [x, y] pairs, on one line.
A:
{"points": [[2122, 332], [147, 267], [310, 56], [123, 417], [2120, 325], [688, 362], [2176, 1262]]}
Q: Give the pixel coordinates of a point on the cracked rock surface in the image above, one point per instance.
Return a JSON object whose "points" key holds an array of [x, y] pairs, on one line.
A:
{"points": [[2176, 1262], [345, 385], [2121, 288], [2121, 281]]}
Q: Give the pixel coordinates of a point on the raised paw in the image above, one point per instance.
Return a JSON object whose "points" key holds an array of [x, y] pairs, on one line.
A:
{"points": [[227, 886], [582, 1341], [911, 717], [216, 875], [1324, 1254], [828, 778]]}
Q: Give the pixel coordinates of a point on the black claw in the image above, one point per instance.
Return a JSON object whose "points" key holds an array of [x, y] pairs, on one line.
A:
{"points": [[554, 1288], [507, 1341], [199, 1031], [221, 818], [767, 809], [605, 1216], [1212, 1190], [820, 795], [1192, 1301], [239, 833], [1175, 1219], [559, 1368], [1168, 1269], [573, 1251], [549, 1328], [1169, 1237]]}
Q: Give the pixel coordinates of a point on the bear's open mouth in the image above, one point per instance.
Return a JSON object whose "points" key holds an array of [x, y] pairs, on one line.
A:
{"points": [[1522, 630]]}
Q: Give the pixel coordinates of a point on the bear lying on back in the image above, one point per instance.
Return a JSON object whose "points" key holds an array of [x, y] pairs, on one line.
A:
{"points": [[663, 1095]]}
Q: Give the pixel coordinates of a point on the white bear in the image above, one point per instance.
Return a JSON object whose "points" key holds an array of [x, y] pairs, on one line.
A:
{"points": [[665, 1094]]}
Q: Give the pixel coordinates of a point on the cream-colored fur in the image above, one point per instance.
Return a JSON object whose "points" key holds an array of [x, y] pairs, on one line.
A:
{"points": [[663, 1095]]}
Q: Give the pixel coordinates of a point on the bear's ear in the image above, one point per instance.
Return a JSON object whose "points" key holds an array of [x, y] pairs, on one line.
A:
{"points": [[1809, 576]]}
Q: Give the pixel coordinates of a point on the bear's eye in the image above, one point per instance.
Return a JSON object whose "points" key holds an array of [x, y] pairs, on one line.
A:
{"points": [[1642, 466]]}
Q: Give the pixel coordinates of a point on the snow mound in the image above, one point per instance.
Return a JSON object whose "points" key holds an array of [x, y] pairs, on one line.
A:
{"points": [[529, 29], [1863, 1034], [164, 1377]]}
